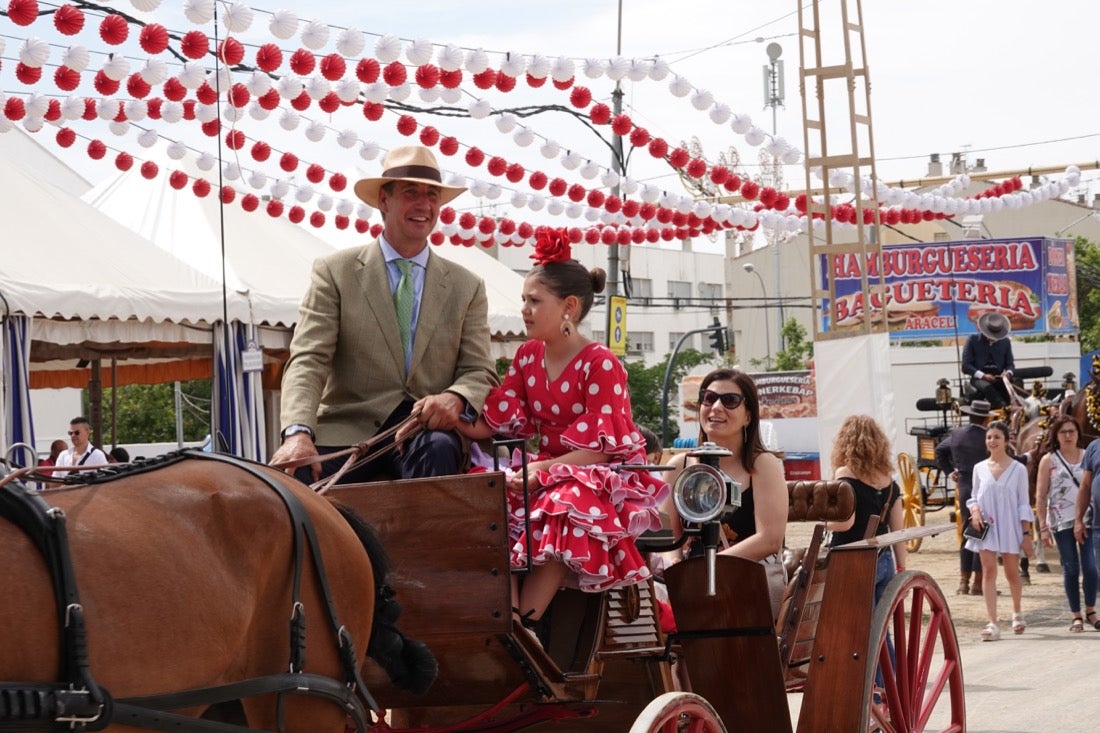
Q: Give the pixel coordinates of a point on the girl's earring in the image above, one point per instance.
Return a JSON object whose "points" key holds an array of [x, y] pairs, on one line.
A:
{"points": [[566, 327]]}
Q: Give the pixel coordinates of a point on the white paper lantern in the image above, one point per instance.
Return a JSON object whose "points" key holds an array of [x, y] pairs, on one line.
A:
{"points": [[679, 86], [257, 180], [572, 160], [237, 17], [154, 71], [506, 122], [315, 131], [519, 199], [289, 86], [720, 113], [589, 170], [450, 58], [289, 119], [419, 52], [231, 171], [136, 110], [639, 69], [145, 6], [256, 112], [280, 188], [192, 75], [523, 137], [34, 52], [450, 96], [317, 87], [284, 24], [702, 99], [429, 95], [550, 149], [594, 68], [206, 112], [537, 202], [538, 66], [480, 109], [345, 207], [206, 162], [400, 92], [199, 12], [315, 35], [76, 58], [350, 42], [562, 69], [513, 65], [477, 61], [555, 207], [387, 49], [171, 112], [368, 150]]}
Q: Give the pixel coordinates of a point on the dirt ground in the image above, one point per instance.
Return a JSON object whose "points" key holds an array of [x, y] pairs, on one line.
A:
{"points": [[1043, 601]]}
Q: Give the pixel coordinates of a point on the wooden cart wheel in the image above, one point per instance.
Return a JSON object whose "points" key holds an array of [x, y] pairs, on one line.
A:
{"points": [[921, 685], [678, 712], [912, 502]]}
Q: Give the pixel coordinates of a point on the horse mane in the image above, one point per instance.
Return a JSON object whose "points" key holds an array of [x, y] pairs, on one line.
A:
{"points": [[409, 663]]}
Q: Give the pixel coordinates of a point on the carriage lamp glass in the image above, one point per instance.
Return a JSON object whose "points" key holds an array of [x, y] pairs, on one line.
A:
{"points": [[702, 493], [943, 392]]}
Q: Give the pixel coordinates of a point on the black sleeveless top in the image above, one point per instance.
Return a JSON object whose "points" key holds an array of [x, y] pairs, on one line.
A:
{"points": [[869, 502]]}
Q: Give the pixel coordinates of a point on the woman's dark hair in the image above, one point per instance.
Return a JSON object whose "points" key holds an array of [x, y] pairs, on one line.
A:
{"points": [[571, 278], [1050, 442], [752, 445], [1000, 425]]}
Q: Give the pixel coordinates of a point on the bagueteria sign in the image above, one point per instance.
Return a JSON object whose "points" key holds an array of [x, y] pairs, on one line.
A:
{"points": [[939, 289]]}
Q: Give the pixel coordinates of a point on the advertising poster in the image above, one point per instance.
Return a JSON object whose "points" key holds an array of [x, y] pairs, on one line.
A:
{"points": [[938, 290], [786, 394]]}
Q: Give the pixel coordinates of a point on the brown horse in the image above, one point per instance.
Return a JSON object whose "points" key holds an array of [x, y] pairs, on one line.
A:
{"points": [[186, 573]]}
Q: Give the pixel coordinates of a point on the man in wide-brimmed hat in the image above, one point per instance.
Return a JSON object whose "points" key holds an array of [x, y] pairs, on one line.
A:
{"points": [[987, 356], [387, 330], [956, 455]]}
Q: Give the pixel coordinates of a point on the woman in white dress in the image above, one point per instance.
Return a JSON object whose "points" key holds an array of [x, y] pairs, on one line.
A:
{"points": [[1000, 501]]}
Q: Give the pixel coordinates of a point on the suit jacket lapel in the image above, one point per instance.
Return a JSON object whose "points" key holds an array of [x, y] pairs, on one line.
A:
{"points": [[375, 286]]}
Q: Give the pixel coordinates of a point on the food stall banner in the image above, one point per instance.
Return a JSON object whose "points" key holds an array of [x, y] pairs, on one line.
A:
{"points": [[937, 290]]}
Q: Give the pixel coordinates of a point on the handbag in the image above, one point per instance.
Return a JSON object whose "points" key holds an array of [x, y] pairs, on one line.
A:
{"points": [[975, 534]]}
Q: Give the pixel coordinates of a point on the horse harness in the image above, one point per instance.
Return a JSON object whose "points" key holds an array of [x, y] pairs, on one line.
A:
{"points": [[77, 703]]}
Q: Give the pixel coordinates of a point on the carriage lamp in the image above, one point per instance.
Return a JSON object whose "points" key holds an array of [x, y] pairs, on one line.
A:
{"points": [[702, 494], [943, 394], [1069, 382]]}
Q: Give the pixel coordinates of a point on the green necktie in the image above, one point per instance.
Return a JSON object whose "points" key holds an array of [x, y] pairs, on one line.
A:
{"points": [[403, 299]]}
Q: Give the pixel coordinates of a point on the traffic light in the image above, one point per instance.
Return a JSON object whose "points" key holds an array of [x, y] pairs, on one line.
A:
{"points": [[718, 337]]}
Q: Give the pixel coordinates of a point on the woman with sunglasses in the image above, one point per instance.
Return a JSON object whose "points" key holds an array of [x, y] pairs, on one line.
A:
{"points": [[861, 458], [729, 416]]}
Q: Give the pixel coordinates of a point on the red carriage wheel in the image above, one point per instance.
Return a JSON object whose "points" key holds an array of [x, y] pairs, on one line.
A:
{"points": [[678, 712], [921, 685]]}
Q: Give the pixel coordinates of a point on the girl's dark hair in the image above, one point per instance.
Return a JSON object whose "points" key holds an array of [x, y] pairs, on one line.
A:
{"points": [[571, 278], [999, 425], [752, 445], [1050, 443]]}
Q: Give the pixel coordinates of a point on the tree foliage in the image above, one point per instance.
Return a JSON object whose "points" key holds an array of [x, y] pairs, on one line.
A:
{"points": [[1087, 256], [147, 412], [799, 349], [647, 384]]}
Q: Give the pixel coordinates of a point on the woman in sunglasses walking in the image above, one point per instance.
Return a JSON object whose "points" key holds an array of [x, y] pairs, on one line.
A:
{"points": [[729, 416]]}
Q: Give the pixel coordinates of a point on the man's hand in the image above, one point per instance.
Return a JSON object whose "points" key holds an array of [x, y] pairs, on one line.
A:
{"points": [[439, 411], [295, 449], [989, 378]]}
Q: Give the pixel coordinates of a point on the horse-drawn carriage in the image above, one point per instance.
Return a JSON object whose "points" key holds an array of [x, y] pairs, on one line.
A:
{"points": [[200, 576]]}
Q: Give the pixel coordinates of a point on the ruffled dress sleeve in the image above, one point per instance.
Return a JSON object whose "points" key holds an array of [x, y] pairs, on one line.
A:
{"points": [[603, 423], [505, 408]]}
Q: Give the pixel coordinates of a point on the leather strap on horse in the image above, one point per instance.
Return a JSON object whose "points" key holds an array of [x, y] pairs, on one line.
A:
{"points": [[76, 702], [303, 530]]}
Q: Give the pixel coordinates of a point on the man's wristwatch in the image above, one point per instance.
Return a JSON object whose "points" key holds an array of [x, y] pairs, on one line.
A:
{"points": [[298, 428]]}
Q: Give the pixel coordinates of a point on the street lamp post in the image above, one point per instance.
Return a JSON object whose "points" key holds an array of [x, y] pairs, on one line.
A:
{"points": [[749, 267]]}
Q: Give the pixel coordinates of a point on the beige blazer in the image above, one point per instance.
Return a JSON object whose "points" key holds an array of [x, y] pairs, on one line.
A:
{"points": [[346, 372]]}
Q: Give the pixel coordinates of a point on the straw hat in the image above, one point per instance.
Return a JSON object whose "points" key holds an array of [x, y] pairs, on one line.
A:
{"points": [[409, 163], [994, 326]]}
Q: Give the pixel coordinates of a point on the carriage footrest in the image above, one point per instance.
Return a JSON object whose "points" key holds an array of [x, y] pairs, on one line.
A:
{"points": [[47, 704]]}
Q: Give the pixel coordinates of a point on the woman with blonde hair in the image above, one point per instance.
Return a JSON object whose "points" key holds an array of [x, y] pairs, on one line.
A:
{"points": [[861, 458]]}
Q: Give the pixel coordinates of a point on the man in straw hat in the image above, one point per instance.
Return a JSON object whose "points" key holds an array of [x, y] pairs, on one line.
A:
{"points": [[356, 370], [957, 454], [987, 356]]}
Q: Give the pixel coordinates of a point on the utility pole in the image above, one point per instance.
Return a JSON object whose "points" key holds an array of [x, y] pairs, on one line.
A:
{"points": [[617, 166], [774, 96]]}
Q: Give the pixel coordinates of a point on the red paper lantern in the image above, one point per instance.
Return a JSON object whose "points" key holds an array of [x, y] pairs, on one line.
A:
{"points": [[342, 221], [274, 208], [719, 174], [317, 220], [23, 12], [486, 79], [563, 85], [66, 79], [679, 219], [436, 237], [296, 214], [189, 109], [505, 83], [149, 170], [239, 95], [749, 190], [288, 162], [362, 226], [65, 137], [525, 230], [535, 81], [658, 148], [194, 44], [137, 87], [177, 180], [557, 187], [406, 124], [496, 166], [228, 193], [697, 168], [429, 136], [153, 38], [614, 204], [580, 97], [630, 207], [333, 67], [250, 202], [315, 173], [621, 124], [301, 102], [486, 225], [14, 109], [652, 236], [173, 90], [768, 196], [575, 235], [234, 139], [506, 227], [608, 236], [447, 215], [639, 136], [113, 29], [89, 110], [448, 145], [600, 114], [474, 157], [211, 128], [269, 57], [537, 180], [427, 76], [394, 74], [647, 211], [668, 234], [329, 103], [595, 198], [367, 70], [153, 107], [373, 111], [338, 182], [679, 157], [451, 79], [201, 187], [28, 74], [231, 52], [261, 151], [664, 216], [302, 62], [592, 235], [637, 236], [104, 84], [467, 220], [67, 20], [733, 183], [515, 173]]}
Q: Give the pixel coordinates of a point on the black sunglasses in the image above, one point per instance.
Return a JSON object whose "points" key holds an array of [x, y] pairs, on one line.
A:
{"points": [[730, 400], [74, 432]]}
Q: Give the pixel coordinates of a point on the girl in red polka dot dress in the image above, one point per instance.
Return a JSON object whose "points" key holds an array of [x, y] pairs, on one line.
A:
{"points": [[568, 396]]}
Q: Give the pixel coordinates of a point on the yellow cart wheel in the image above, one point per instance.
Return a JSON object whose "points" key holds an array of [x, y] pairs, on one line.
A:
{"points": [[911, 496]]}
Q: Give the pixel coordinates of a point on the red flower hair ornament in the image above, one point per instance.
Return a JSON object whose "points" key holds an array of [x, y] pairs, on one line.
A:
{"points": [[551, 245]]}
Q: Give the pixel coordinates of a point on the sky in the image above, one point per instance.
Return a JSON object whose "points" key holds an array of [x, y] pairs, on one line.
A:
{"points": [[1011, 82]]}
